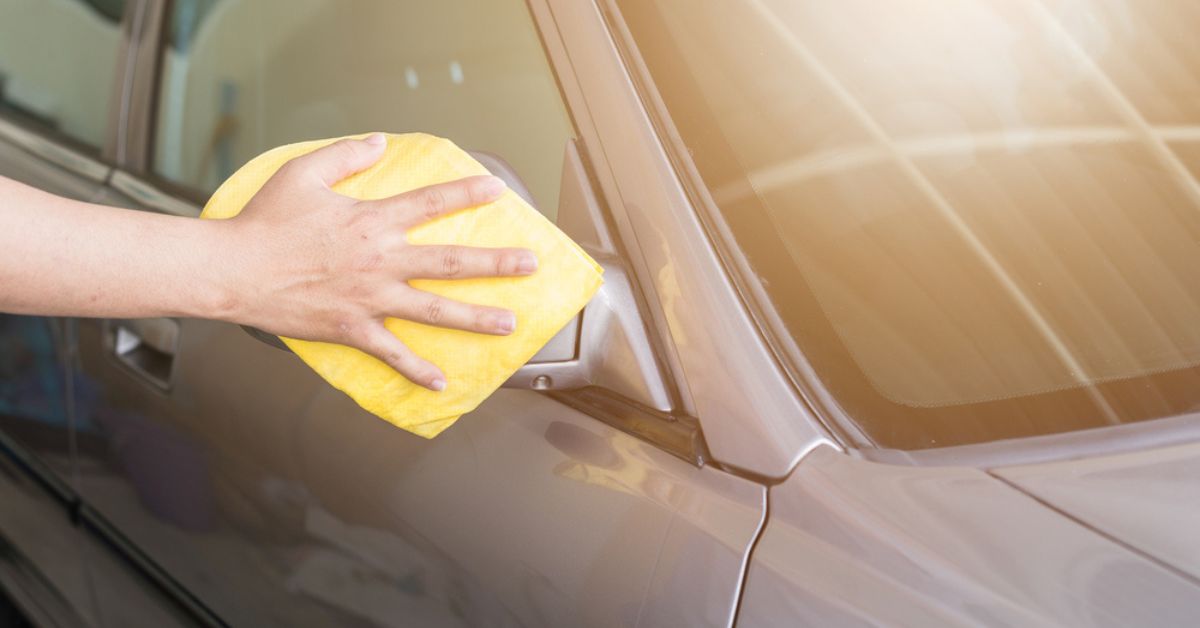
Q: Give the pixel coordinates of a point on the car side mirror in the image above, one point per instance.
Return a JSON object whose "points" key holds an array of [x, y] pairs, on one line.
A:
{"points": [[606, 346]]}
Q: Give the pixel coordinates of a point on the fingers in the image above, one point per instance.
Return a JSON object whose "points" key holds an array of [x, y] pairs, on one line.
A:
{"points": [[435, 201], [424, 307], [342, 158], [380, 343], [464, 262]]}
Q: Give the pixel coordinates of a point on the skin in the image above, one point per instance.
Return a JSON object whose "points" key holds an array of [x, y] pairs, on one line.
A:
{"points": [[300, 260]]}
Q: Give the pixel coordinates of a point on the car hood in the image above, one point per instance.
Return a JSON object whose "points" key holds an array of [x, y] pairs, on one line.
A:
{"points": [[1147, 500], [1096, 542]]}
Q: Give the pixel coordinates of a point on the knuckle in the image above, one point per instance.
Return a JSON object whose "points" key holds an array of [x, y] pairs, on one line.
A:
{"points": [[292, 168], [476, 193], [452, 262], [393, 359], [434, 311], [509, 263], [343, 329], [503, 263], [433, 203], [343, 150], [482, 318]]}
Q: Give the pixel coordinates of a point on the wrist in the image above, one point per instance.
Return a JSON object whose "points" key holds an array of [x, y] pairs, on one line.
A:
{"points": [[219, 292]]}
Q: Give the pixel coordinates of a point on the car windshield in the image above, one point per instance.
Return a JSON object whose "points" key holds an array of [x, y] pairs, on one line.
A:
{"points": [[976, 219]]}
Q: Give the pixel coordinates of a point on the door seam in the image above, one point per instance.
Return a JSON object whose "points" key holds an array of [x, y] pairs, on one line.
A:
{"points": [[744, 576]]}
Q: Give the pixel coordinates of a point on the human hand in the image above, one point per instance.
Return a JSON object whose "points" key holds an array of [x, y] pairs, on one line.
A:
{"points": [[312, 264]]}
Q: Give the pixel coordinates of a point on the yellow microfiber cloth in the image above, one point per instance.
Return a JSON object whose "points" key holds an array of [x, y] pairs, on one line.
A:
{"points": [[475, 364]]}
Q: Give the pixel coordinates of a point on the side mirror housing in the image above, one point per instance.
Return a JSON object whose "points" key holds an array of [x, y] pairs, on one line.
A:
{"points": [[606, 346]]}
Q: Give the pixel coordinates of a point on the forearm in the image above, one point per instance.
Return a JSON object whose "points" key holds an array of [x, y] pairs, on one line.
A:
{"points": [[299, 260], [60, 257]]}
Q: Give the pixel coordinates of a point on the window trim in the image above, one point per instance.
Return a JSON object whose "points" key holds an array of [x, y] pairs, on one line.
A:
{"points": [[91, 162], [143, 127], [134, 141], [54, 152]]}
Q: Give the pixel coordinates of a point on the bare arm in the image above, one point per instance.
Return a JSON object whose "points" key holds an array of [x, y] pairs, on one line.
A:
{"points": [[299, 261]]}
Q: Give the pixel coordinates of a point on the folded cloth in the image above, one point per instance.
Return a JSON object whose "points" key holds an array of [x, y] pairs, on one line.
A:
{"points": [[475, 364]]}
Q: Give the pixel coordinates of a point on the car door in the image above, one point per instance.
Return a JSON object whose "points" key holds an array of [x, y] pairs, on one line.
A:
{"points": [[265, 497]]}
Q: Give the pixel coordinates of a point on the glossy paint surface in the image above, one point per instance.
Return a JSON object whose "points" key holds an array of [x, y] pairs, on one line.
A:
{"points": [[277, 501], [1147, 499], [851, 542]]}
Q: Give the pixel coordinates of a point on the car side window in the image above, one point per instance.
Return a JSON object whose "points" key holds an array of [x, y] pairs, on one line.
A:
{"points": [[58, 59], [239, 78]]}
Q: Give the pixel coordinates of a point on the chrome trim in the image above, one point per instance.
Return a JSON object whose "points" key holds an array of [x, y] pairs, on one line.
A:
{"points": [[134, 42], [52, 152], [138, 133], [117, 94], [151, 197]]}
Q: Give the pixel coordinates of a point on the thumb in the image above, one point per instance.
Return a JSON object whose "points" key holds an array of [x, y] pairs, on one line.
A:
{"points": [[343, 158]]}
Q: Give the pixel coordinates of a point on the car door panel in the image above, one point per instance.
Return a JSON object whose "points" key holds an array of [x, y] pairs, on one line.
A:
{"points": [[276, 500]]}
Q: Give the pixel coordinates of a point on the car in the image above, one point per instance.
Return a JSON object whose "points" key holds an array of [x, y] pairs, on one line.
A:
{"points": [[900, 323]]}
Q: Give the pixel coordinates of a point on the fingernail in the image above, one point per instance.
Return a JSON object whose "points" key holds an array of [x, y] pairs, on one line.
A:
{"points": [[375, 138], [527, 264], [494, 185], [506, 322], [438, 385]]}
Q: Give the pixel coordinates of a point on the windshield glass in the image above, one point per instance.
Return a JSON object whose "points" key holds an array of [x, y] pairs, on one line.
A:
{"points": [[978, 219]]}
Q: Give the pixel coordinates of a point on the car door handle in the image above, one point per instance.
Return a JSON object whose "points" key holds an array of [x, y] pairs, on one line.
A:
{"points": [[146, 346]]}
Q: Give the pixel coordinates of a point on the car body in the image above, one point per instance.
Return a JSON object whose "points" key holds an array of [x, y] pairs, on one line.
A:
{"points": [[683, 454]]}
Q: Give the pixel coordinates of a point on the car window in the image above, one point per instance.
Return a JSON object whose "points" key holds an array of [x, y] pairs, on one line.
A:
{"points": [[240, 77], [978, 219], [58, 59]]}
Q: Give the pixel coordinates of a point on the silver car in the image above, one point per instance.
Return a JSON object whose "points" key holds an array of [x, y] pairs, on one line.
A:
{"points": [[901, 323]]}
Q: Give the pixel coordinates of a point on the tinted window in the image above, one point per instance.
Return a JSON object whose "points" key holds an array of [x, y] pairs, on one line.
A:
{"points": [[242, 77], [57, 63], [979, 219]]}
